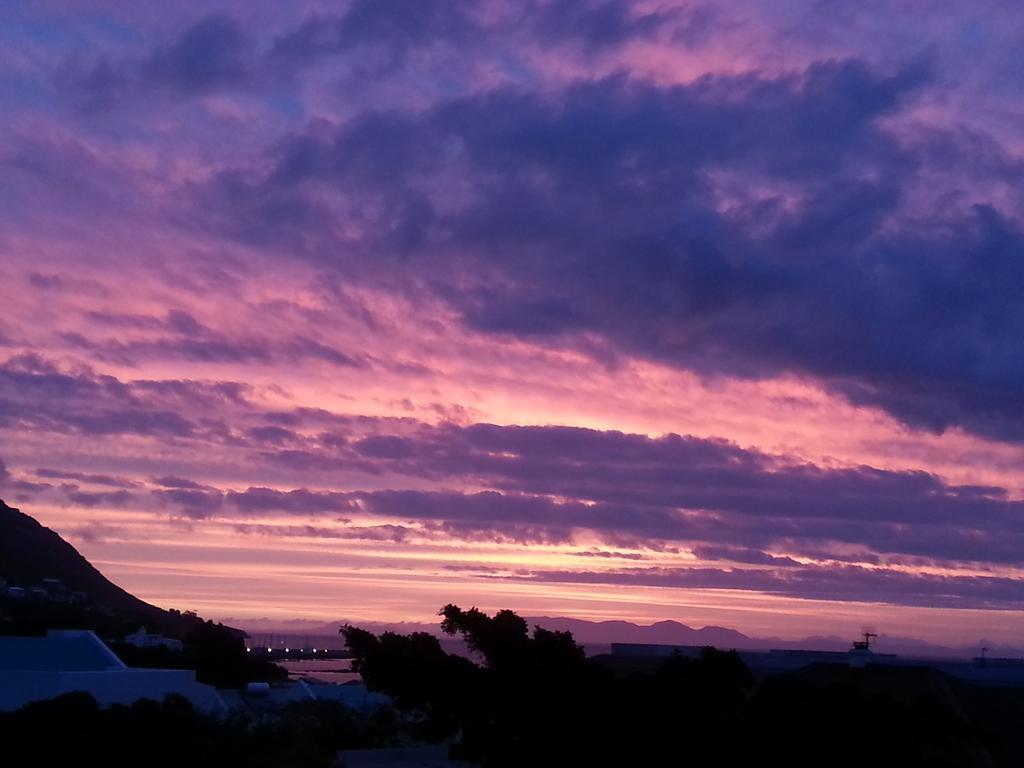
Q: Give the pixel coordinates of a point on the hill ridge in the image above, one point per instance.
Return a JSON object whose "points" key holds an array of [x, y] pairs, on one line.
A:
{"points": [[31, 552]]}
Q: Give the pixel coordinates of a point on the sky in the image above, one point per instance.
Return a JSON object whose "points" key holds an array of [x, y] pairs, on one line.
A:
{"points": [[705, 311]]}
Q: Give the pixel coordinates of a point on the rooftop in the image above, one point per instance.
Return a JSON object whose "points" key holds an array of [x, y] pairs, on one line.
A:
{"points": [[59, 651]]}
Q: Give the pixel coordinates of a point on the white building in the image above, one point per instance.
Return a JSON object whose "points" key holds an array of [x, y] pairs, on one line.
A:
{"points": [[258, 697], [143, 639], [65, 661]]}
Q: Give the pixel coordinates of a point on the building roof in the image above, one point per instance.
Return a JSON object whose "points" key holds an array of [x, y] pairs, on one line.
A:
{"points": [[59, 651], [39, 668]]}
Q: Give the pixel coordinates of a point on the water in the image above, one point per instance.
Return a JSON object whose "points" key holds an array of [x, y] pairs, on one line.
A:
{"points": [[323, 670]]}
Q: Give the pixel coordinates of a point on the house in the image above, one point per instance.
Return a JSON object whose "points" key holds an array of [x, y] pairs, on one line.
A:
{"points": [[65, 661], [52, 590], [263, 697], [143, 639]]}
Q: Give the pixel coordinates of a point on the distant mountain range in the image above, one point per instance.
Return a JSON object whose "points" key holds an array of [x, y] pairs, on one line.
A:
{"points": [[31, 553], [675, 633], [598, 636]]}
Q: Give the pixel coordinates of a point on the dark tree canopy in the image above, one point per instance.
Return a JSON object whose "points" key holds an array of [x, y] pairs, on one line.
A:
{"points": [[533, 698], [74, 730]]}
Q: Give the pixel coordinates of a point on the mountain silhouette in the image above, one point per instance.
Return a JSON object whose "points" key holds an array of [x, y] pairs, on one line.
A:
{"points": [[30, 553], [666, 632], [597, 636]]}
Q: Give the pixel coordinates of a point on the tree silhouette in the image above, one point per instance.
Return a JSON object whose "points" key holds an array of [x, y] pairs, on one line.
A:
{"points": [[535, 698]]}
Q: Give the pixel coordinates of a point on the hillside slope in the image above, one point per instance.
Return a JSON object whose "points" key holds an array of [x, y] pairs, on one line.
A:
{"points": [[30, 552]]}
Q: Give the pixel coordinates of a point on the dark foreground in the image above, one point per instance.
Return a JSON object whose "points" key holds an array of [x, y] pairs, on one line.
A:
{"points": [[534, 699]]}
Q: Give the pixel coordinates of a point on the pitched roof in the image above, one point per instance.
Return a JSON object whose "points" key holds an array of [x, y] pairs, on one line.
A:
{"points": [[59, 651]]}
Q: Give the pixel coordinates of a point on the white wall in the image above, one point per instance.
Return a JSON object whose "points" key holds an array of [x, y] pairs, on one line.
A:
{"points": [[123, 686]]}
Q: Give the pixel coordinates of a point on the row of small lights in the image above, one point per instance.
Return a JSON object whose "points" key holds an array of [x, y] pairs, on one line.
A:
{"points": [[271, 650]]}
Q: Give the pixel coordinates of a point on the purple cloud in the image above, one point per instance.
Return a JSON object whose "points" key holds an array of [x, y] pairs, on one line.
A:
{"points": [[36, 394], [180, 335], [121, 498], [547, 484], [616, 231], [86, 477], [211, 54]]}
